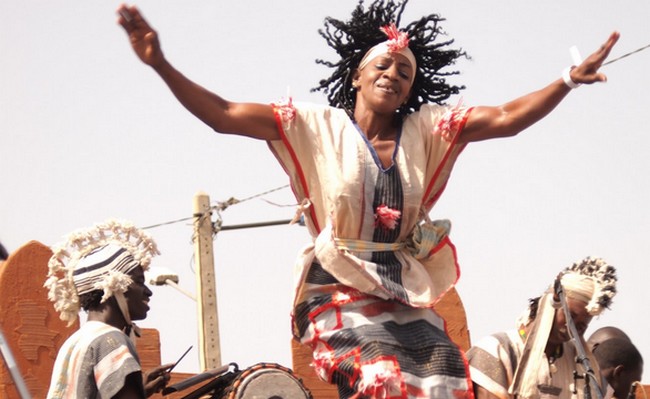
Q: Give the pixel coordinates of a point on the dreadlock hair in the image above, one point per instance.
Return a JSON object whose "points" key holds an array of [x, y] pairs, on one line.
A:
{"points": [[352, 39]]}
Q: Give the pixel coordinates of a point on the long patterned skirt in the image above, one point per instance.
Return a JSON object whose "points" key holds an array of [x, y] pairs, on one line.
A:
{"points": [[375, 348]]}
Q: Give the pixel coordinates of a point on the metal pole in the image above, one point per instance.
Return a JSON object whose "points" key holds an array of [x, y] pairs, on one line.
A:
{"points": [[253, 225], [581, 357], [13, 367], [208, 318]]}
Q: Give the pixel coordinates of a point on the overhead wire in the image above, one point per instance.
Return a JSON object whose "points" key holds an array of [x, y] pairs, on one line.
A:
{"points": [[217, 224], [626, 55], [220, 206]]}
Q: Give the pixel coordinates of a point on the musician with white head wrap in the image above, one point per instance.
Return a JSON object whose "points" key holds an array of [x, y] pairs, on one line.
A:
{"points": [[101, 270], [538, 359]]}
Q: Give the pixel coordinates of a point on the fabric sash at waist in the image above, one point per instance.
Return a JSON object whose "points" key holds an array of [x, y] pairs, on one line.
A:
{"points": [[346, 244]]}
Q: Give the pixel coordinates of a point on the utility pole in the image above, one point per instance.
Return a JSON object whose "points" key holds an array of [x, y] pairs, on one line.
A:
{"points": [[208, 317]]}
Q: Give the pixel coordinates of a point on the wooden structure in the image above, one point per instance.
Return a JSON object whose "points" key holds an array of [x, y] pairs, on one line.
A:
{"points": [[206, 287], [30, 324]]}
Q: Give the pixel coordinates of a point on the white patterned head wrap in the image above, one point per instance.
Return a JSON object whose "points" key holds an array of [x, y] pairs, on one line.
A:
{"points": [[397, 43], [592, 281], [99, 258], [383, 48]]}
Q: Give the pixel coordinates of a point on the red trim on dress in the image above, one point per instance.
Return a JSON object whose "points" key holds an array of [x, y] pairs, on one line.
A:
{"points": [[294, 158], [444, 162], [447, 241]]}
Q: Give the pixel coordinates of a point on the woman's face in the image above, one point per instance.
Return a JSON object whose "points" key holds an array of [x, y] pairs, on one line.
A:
{"points": [[138, 295], [384, 84], [581, 319]]}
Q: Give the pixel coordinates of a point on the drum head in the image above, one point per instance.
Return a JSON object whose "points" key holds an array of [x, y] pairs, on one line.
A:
{"points": [[269, 383]]}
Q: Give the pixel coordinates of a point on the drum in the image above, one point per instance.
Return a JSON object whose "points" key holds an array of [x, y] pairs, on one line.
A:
{"points": [[266, 381]]}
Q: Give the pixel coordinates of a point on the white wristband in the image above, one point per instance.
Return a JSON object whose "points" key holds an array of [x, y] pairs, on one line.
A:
{"points": [[566, 77]]}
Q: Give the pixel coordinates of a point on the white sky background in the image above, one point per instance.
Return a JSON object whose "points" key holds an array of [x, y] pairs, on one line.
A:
{"points": [[88, 133]]}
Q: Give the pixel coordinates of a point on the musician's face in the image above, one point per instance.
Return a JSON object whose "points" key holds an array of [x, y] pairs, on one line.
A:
{"points": [[138, 295], [581, 319]]}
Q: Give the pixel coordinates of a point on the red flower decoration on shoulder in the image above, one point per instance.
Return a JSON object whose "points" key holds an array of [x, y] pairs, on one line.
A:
{"points": [[286, 109], [449, 125]]}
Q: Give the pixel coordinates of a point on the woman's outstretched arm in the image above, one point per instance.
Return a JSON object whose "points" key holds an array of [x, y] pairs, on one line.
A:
{"points": [[511, 118], [247, 119]]}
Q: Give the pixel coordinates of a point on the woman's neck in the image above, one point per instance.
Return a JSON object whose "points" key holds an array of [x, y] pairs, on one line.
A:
{"points": [[374, 125]]}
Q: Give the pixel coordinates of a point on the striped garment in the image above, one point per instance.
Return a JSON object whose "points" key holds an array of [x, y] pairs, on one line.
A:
{"points": [[494, 359], [363, 300], [93, 363], [493, 362]]}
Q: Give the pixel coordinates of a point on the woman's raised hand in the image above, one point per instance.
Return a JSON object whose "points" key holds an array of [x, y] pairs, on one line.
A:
{"points": [[144, 39], [587, 71]]}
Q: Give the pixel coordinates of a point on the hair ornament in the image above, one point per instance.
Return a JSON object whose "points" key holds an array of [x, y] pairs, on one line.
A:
{"points": [[397, 40]]}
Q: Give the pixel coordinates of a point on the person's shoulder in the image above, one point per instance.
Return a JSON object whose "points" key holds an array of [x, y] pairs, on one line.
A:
{"points": [[317, 108], [434, 107], [497, 339], [105, 333], [98, 326], [507, 336], [314, 114], [428, 108], [428, 116]]}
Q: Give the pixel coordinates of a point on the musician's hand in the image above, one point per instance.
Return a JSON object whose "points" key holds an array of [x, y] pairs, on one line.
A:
{"points": [[156, 379]]}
